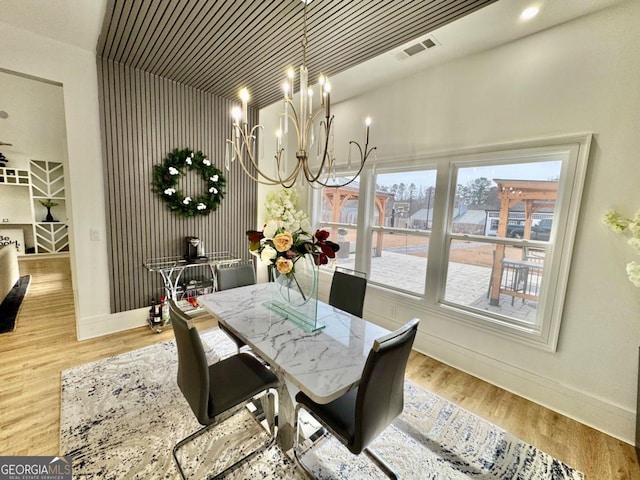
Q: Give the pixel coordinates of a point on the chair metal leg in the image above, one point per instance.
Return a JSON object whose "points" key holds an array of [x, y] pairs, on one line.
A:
{"points": [[382, 465], [379, 462], [185, 441], [229, 469]]}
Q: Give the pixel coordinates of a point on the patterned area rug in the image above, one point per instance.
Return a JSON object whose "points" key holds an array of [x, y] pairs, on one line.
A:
{"points": [[122, 415]]}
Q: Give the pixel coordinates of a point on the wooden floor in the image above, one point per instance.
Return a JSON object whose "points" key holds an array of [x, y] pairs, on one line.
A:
{"points": [[44, 344]]}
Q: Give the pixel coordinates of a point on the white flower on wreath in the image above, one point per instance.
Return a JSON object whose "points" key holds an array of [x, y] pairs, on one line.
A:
{"points": [[206, 162], [214, 178], [201, 206], [620, 223], [170, 191], [188, 160], [187, 200], [213, 190], [173, 171]]}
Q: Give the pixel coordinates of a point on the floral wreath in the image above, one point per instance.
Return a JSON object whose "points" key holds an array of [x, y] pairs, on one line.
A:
{"points": [[167, 175]]}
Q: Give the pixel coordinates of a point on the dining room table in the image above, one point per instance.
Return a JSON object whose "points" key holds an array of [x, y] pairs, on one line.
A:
{"points": [[324, 364]]}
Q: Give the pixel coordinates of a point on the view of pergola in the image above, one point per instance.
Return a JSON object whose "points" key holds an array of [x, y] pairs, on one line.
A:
{"points": [[498, 278]]}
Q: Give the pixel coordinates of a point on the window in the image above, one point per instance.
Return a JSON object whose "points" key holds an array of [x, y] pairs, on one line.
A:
{"points": [[339, 215], [482, 237], [403, 216], [485, 274]]}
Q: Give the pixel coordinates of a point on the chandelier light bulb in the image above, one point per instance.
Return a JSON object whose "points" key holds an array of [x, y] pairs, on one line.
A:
{"points": [[236, 114], [327, 87], [367, 123], [290, 73], [321, 80], [244, 97]]}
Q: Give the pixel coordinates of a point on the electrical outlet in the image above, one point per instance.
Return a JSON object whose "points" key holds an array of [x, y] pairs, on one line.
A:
{"points": [[5, 220], [95, 235]]}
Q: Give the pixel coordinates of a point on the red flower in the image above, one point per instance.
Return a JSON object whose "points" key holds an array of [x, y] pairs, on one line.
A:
{"points": [[254, 236], [321, 235], [329, 248]]}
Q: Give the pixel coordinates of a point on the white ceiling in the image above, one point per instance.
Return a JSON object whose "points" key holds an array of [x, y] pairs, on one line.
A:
{"points": [[75, 22], [78, 22], [496, 24]]}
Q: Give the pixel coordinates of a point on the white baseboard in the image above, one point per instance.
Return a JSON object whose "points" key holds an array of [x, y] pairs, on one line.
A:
{"points": [[614, 420], [101, 325]]}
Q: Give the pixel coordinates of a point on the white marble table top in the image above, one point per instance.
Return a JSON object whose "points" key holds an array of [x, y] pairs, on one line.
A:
{"points": [[323, 364]]}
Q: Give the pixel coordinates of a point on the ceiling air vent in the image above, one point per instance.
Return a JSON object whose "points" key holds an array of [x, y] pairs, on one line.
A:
{"points": [[421, 46], [413, 49]]}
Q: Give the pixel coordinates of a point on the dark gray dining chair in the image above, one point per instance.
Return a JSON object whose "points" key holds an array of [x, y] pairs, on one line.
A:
{"points": [[360, 415], [214, 389], [348, 290], [235, 276], [232, 277]]}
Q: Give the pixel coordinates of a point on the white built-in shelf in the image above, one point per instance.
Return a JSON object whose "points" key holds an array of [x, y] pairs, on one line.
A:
{"points": [[23, 209], [14, 176]]}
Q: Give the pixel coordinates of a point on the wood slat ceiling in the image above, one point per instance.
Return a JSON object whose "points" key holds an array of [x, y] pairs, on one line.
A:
{"points": [[219, 46]]}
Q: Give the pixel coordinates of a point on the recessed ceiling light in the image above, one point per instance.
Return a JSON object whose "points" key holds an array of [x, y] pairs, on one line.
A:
{"points": [[529, 13]]}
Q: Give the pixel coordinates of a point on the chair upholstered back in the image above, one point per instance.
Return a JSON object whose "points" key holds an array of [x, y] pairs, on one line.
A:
{"points": [[235, 276], [193, 370], [348, 292], [380, 396]]}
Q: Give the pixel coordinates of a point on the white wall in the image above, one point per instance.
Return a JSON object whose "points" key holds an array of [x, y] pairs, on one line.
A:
{"points": [[35, 124], [75, 69], [579, 77]]}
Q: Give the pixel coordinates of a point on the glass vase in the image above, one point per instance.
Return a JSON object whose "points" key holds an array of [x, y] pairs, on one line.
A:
{"points": [[296, 294]]}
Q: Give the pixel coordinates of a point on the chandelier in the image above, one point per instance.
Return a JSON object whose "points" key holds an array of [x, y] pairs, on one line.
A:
{"points": [[244, 144]]}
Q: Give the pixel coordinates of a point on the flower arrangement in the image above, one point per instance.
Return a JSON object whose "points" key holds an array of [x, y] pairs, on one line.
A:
{"points": [[280, 205], [280, 248], [620, 223]]}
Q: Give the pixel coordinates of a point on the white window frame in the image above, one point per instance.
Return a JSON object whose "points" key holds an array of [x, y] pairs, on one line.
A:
{"points": [[544, 333]]}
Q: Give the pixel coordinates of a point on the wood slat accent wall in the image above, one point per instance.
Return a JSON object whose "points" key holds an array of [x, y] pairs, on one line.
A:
{"points": [[144, 117], [221, 45]]}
